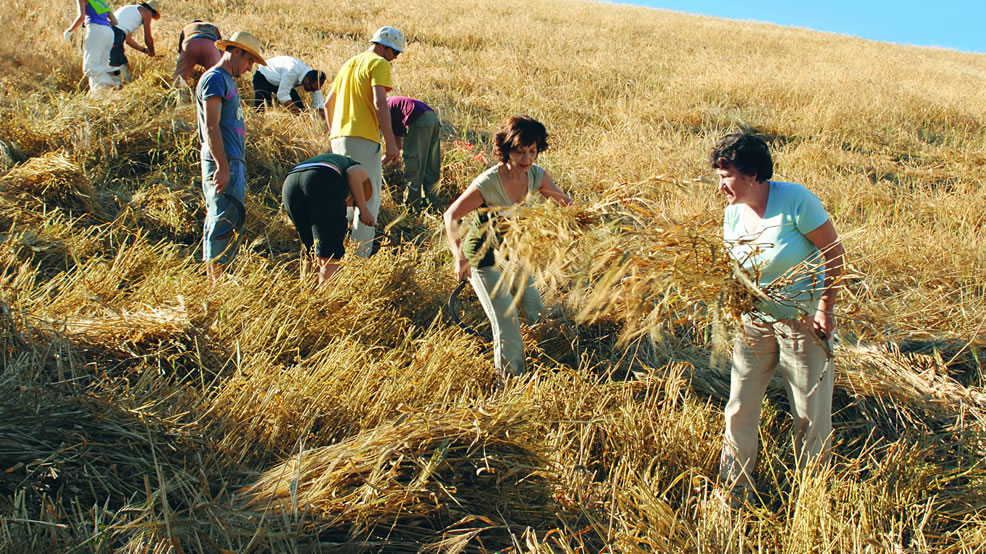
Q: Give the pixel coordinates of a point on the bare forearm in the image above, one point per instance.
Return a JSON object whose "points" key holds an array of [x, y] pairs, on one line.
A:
{"points": [[78, 21], [834, 261], [452, 234], [214, 140], [383, 117]]}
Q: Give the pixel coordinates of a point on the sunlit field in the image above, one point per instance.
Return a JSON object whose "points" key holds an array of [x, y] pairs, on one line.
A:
{"points": [[145, 411]]}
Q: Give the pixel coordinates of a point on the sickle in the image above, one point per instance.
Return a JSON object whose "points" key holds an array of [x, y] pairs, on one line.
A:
{"points": [[455, 316], [240, 217]]}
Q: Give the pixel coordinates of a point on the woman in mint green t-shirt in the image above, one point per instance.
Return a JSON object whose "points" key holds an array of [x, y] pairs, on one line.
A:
{"points": [[781, 234], [516, 144]]}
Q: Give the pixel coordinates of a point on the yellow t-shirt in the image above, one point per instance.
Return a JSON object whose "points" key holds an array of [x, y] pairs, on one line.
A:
{"points": [[353, 113]]}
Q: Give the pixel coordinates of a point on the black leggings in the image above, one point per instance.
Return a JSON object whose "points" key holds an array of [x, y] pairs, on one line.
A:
{"points": [[266, 93], [315, 199]]}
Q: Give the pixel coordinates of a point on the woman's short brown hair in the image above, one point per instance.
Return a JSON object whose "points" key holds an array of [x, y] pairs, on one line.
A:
{"points": [[747, 152], [516, 132]]}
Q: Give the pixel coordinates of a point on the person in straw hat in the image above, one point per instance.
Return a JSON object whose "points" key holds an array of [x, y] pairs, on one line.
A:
{"points": [[315, 196], [358, 115], [223, 137], [99, 21], [129, 19]]}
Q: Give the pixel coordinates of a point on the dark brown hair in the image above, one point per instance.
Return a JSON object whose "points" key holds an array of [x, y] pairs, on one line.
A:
{"points": [[316, 78], [516, 132], [747, 152]]}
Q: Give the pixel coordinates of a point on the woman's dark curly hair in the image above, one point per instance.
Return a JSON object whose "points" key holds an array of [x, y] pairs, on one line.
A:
{"points": [[516, 132], [747, 152]]}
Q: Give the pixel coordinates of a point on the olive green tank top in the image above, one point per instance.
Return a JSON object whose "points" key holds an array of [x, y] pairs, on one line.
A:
{"points": [[479, 244]]}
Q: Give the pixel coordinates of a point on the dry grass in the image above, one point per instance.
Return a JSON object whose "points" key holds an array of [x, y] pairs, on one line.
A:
{"points": [[144, 411]]}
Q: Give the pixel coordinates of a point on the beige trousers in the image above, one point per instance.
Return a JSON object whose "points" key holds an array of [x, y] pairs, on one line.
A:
{"points": [[807, 369], [96, 58], [499, 301], [367, 154]]}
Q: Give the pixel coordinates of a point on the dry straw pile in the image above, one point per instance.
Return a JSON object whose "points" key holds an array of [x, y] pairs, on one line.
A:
{"points": [[143, 410]]}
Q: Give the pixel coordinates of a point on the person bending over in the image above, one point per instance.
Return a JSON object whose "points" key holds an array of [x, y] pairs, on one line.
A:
{"points": [[315, 194], [510, 183], [129, 19], [276, 83]]}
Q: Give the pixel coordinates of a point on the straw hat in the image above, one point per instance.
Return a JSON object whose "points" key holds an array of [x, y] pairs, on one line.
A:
{"points": [[245, 41], [153, 6]]}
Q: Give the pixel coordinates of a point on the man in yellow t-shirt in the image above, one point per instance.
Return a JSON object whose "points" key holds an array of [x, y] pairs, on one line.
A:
{"points": [[358, 114]]}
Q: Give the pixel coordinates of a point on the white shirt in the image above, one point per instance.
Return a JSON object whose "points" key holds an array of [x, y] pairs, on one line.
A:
{"points": [[129, 18], [287, 73]]}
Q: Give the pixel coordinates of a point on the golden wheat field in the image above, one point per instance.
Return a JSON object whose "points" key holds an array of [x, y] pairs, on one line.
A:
{"points": [[145, 411]]}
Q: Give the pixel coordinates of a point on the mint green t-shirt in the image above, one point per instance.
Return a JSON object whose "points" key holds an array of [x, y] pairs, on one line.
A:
{"points": [[778, 245]]}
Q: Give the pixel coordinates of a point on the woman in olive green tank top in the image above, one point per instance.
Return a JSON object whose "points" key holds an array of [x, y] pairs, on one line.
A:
{"points": [[516, 144]]}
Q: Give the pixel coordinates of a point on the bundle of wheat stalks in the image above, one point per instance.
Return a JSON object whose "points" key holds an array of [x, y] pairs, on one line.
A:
{"points": [[52, 179], [416, 475], [142, 409]]}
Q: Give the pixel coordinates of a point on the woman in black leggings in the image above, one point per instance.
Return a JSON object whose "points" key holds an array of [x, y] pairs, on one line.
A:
{"points": [[316, 193]]}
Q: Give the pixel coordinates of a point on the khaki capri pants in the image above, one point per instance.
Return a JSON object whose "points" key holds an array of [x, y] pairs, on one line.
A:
{"points": [[498, 300], [807, 369]]}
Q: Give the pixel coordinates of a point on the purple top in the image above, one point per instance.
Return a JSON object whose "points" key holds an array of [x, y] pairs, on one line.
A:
{"points": [[95, 18], [403, 112]]}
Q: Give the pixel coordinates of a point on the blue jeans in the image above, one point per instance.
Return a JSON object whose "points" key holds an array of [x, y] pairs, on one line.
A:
{"points": [[220, 241]]}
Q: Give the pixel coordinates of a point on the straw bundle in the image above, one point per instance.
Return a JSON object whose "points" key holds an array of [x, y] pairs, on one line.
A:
{"points": [[121, 340], [421, 472], [127, 328], [631, 264], [169, 211], [53, 180], [919, 381]]}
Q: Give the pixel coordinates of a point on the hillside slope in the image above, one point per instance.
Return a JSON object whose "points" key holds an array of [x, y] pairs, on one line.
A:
{"points": [[143, 410]]}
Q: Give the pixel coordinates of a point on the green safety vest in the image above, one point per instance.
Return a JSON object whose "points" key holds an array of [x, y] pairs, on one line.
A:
{"points": [[99, 6]]}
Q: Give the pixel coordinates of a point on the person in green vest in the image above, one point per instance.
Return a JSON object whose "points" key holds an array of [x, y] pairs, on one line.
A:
{"points": [[99, 21], [316, 194]]}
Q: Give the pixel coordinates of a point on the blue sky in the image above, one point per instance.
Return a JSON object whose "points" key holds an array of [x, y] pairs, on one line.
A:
{"points": [[946, 23]]}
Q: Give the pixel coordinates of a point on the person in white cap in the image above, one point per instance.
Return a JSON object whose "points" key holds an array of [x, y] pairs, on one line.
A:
{"points": [[99, 21], [223, 137], [279, 79], [358, 115], [129, 19]]}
